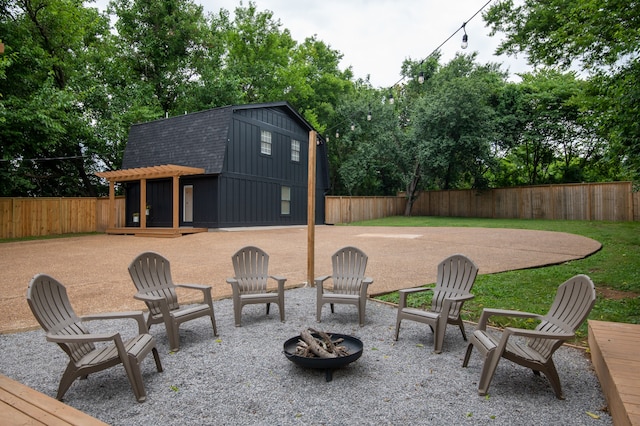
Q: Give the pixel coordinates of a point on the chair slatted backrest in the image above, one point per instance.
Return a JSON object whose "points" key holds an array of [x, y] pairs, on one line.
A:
{"points": [[573, 303], [251, 266], [349, 268], [456, 275], [50, 304], [151, 274]]}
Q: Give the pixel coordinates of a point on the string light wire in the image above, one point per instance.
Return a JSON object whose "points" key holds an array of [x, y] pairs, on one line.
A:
{"points": [[462, 27]]}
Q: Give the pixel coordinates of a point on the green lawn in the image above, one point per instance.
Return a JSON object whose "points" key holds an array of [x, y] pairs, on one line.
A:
{"points": [[615, 270]]}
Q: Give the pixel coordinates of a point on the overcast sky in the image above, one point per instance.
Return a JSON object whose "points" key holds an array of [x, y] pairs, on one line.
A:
{"points": [[376, 36]]}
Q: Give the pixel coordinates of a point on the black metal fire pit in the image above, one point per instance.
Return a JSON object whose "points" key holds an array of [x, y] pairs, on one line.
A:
{"points": [[354, 350]]}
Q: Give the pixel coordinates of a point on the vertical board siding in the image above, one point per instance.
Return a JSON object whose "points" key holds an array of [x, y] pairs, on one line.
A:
{"points": [[251, 182]]}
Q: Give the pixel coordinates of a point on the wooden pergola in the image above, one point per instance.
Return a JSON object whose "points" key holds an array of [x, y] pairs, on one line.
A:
{"points": [[142, 174]]}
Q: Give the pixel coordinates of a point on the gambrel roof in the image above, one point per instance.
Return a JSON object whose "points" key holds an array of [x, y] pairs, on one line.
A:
{"points": [[195, 140]]}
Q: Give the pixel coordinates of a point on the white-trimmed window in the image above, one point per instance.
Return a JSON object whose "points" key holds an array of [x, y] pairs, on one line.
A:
{"points": [[285, 200], [265, 142], [295, 150]]}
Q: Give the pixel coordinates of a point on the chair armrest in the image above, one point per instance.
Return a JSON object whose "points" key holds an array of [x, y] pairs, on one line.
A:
{"points": [[148, 297], [415, 290], [81, 338], [537, 334], [138, 316], [451, 301], [533, 334], [461, 297], [319, 280], [280, 280], [366, 282], [205, 289], [489, 312], [199, 287], [113, 315], [235, 288], [404, 293]]}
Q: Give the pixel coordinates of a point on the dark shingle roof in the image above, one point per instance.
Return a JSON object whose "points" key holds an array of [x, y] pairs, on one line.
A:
{"points": [[198, 139], [195, 140]]}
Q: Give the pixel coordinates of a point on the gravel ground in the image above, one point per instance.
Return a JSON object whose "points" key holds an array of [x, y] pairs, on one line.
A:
{"points": [[243, 378]]}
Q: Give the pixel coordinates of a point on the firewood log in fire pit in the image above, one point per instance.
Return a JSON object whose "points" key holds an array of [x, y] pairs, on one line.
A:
{"points": [[314, 343]]}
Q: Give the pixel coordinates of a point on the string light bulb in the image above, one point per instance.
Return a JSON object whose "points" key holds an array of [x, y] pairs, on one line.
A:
{"points": [[421, 78], [465, 37]]}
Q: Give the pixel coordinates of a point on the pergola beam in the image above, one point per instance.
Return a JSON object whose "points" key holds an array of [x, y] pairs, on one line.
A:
{"points": [[143, 174], [154, 172]]}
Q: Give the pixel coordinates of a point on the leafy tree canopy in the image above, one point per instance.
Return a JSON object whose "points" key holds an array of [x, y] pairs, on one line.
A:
{"points": [[593, 33]]}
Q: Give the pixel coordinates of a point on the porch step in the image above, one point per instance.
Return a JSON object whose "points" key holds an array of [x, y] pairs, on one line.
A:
{"points": [[155, 232]]}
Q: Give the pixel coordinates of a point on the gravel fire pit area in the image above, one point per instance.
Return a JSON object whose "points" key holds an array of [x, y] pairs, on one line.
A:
{"points": [[242, 377]]}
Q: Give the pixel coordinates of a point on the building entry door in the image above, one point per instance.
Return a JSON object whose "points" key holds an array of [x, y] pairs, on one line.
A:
{"points": [[187, 204]]}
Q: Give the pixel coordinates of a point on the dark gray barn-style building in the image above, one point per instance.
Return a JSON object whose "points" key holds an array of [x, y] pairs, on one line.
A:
{"points": [[243, 165]]}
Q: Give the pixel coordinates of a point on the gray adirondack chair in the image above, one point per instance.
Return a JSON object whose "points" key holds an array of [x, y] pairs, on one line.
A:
{"points": [[151, 274], [50, 304], [249, 286], [573, 302], [349, 282], [456, 276]]}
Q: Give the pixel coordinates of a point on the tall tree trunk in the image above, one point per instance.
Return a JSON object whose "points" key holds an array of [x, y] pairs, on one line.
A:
{"points": [[89, 189], [412, 189]]}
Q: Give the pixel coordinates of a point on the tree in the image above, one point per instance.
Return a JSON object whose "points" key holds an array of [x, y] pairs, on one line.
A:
{"points": [[602, 38], [317, 84], [453, 126], [362, 145], [557, 136], [163, 45], [258, 54], [588, 33], [46, 131]]}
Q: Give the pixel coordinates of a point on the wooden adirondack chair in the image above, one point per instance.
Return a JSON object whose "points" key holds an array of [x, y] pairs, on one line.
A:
{"points": [[573, 302], [50, 305], [249, 286], [349, 282], [456, 276], [151, 274]]}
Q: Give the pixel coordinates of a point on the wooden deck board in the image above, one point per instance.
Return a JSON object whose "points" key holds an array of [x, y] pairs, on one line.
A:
{"points": [[614, 353], [155, 232], [21, 405]]}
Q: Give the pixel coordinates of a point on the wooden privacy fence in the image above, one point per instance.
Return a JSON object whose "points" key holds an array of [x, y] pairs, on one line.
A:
{"points": [[29, 217], [32, 217], [613, 201]]}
